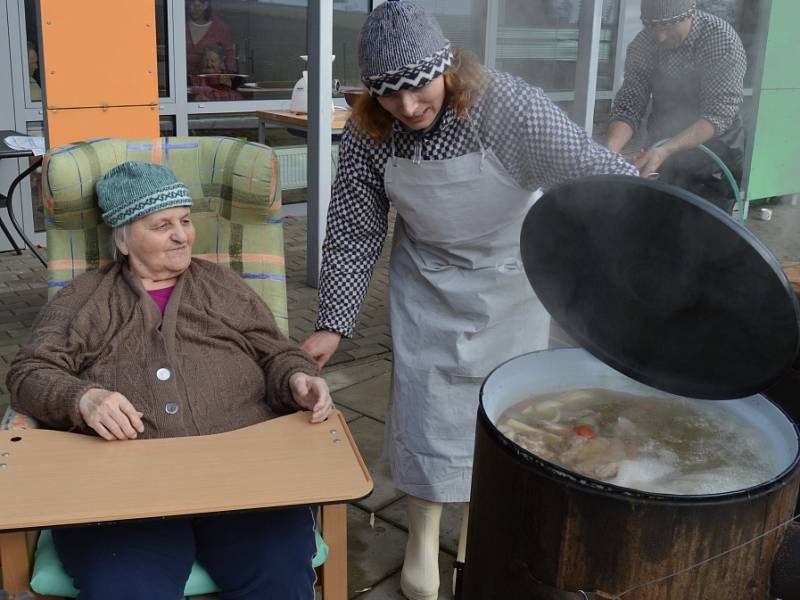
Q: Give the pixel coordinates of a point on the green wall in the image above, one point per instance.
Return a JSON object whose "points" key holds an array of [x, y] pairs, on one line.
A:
{"points": [[775, 160]]}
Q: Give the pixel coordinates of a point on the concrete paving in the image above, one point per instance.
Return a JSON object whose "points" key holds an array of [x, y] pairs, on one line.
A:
{"points": [[359, 375]]}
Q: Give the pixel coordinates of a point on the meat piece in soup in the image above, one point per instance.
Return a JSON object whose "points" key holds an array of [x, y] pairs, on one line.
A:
{"points": [[659, 444]]}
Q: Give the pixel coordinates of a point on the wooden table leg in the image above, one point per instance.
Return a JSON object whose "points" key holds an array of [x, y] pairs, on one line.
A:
{"points": [[334, 570], [15, 560]]}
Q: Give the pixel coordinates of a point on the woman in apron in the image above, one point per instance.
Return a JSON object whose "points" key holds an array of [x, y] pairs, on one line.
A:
{"points": [[458, 150]]}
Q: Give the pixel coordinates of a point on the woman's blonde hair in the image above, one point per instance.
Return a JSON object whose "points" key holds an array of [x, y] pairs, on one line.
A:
{"points": [[463, 82]]}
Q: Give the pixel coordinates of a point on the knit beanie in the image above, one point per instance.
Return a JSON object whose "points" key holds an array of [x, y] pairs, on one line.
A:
{"points": [[401, 46], [135, 189], [665, 12]]}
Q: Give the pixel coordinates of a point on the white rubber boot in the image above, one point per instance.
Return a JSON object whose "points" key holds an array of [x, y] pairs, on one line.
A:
{"points": [[419, 579], [462, 543]]}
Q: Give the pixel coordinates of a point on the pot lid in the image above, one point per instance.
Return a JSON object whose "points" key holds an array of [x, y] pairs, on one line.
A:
{"points": [[662, 286]]}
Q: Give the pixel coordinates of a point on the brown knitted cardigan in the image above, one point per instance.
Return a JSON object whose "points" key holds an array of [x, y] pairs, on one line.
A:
{"points": [[226, 363]]}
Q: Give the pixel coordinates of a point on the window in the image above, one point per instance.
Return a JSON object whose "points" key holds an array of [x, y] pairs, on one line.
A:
{"points": [[166, 126], [538, 41], [35, 128], [31, 65], [348, 17], [162, 49], [462, 21], [243, 126], [240, 50]]}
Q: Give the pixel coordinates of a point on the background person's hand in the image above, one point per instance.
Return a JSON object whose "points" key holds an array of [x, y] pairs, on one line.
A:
{"points": [[312, 393], [110, 414], [649, 161], [321, 345]]}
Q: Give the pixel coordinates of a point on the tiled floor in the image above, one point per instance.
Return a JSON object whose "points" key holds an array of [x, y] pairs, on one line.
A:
{"points": [[359, 376]]}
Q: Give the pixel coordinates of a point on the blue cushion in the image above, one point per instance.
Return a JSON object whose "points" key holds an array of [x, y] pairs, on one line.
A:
{"points": [[50, 579]]}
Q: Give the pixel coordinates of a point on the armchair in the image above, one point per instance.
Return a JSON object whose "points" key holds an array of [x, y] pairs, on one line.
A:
{"points": [[237, 214]]}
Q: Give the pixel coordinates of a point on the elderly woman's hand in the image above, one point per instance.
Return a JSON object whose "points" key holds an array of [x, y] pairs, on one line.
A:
{"points": [[312, 393], [110, 414]]}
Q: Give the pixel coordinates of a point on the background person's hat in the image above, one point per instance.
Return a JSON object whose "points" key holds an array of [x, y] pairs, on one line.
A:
{"points": [[135, 189], [401, 46], [664, 12]]}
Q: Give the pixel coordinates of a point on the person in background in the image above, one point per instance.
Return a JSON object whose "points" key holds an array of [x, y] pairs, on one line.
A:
{"points": [[160, 344], [459, 151], [214, 84], [691, 65], [33, 73], [204, 29]]}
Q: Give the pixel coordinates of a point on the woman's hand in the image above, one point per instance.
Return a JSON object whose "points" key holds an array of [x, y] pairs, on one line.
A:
{"points": [[110, 414], [312, 393], [321, 346]]}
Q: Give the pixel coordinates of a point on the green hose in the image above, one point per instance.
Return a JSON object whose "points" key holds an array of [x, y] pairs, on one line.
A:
{"points": [[731, 179]]}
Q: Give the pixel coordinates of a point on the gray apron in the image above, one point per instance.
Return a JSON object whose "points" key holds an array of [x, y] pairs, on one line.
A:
{"points": [[460, 304]]}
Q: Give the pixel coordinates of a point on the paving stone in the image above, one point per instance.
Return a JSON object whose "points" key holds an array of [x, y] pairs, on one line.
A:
{"points": [[369, 397], [389, 589], [357, 373], [12, 325], [349, 415], [362, 351], [368, 434], [449, 529], [366, 565], [340, 357]]}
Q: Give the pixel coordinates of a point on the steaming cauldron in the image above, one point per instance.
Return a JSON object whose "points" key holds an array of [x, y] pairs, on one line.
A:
{"points": [[666, 293]]}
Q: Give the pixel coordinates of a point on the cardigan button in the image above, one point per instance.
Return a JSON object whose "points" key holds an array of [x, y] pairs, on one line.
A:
{"points": [[171, 408], [163, 374]]}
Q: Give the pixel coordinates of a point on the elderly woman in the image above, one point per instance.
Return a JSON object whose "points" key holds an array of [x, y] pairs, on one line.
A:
{"points": [[159, 344]]}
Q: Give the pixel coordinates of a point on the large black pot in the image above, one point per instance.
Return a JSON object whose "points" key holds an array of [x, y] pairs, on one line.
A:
{"points": [[666, 293], [537, 530]]}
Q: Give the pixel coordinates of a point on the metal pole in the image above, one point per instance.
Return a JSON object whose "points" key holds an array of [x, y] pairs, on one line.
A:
{"points": [[320, 76], [591, 16], [490, 34]]}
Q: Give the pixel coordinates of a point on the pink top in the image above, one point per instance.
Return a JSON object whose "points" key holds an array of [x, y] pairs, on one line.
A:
{"points": [[218, 33], [161, 297]]}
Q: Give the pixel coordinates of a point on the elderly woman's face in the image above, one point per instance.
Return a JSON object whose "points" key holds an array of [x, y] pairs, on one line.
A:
{"points": [[159, 246], [416, 108]]}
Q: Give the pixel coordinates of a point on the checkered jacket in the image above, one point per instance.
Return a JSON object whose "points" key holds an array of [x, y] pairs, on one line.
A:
{"points": [[712, 56], [533, 139]]}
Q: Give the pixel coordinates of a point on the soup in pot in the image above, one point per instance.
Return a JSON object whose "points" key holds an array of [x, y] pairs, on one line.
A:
{"points": [[663, 445]]}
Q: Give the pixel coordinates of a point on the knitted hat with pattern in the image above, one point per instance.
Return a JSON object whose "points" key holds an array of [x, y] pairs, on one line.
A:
{"points": [[664, 12], [401, 46], [135, 189]]}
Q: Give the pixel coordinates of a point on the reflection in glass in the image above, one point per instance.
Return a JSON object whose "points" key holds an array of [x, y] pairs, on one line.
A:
{"points": [[238, 125], [730, 10], [36, 129], [538, 41], [348, 17], [166, 126], [32, 50], [461, 21], [257, 46], [162, 55]]}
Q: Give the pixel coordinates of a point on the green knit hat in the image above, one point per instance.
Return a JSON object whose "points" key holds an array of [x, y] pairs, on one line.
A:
{"points": [[135, 189]]}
